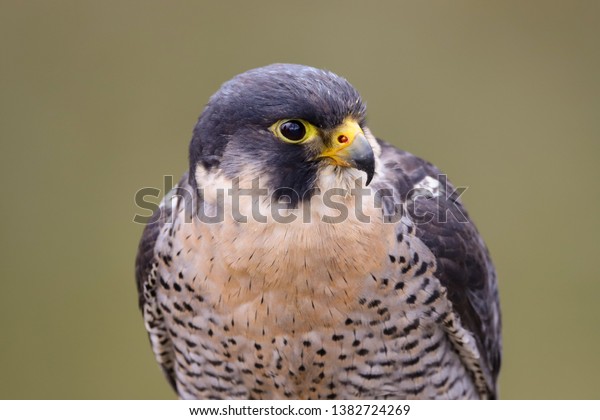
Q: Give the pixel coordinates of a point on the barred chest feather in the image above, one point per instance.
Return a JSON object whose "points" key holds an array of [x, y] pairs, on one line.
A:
{"points": [[276, 311]]}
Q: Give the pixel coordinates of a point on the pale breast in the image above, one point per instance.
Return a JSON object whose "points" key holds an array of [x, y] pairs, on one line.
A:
{"points": [[267, 312]]}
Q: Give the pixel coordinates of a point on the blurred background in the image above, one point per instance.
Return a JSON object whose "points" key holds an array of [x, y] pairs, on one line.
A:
{"points": [[98, 99]]}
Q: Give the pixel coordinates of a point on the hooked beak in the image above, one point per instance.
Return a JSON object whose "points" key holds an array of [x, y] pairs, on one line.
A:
{"points": [[350, 148]]}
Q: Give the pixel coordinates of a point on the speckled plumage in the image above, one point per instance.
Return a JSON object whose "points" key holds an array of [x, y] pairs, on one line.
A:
{"points": [[314, 310]]}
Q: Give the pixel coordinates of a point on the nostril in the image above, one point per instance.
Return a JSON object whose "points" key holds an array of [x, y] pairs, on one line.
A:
{"points": [[342, 139]]}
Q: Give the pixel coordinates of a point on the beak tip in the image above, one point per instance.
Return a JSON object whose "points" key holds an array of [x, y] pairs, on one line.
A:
{"points": [[369, 170], [364, 159]]}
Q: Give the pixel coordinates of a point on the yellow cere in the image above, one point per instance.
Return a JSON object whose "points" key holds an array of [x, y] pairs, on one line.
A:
{"points": [[344, 134], [341, 138]]}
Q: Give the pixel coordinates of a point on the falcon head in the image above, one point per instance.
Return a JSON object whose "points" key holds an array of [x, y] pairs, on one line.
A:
{"points": [[296, 127]]}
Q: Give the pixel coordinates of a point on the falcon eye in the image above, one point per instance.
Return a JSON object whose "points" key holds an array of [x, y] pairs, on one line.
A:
{"points": [[293, 130]]}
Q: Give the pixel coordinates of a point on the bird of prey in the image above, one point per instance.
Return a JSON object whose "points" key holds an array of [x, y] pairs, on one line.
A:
{"points": [[302, 257]]}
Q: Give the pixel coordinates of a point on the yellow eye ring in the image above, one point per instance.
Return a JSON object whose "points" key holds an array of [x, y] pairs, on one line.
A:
{"points": [[293, 131]]}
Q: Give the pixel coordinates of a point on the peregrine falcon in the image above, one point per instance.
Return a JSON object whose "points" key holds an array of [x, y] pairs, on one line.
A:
{"points": [[302, 257]]}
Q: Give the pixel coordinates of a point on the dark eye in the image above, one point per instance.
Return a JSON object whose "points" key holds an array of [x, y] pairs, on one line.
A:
{"points": [[293, 130]]}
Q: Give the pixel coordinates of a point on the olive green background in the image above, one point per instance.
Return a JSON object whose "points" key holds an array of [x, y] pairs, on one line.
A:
{"points": [[98, 99]]}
